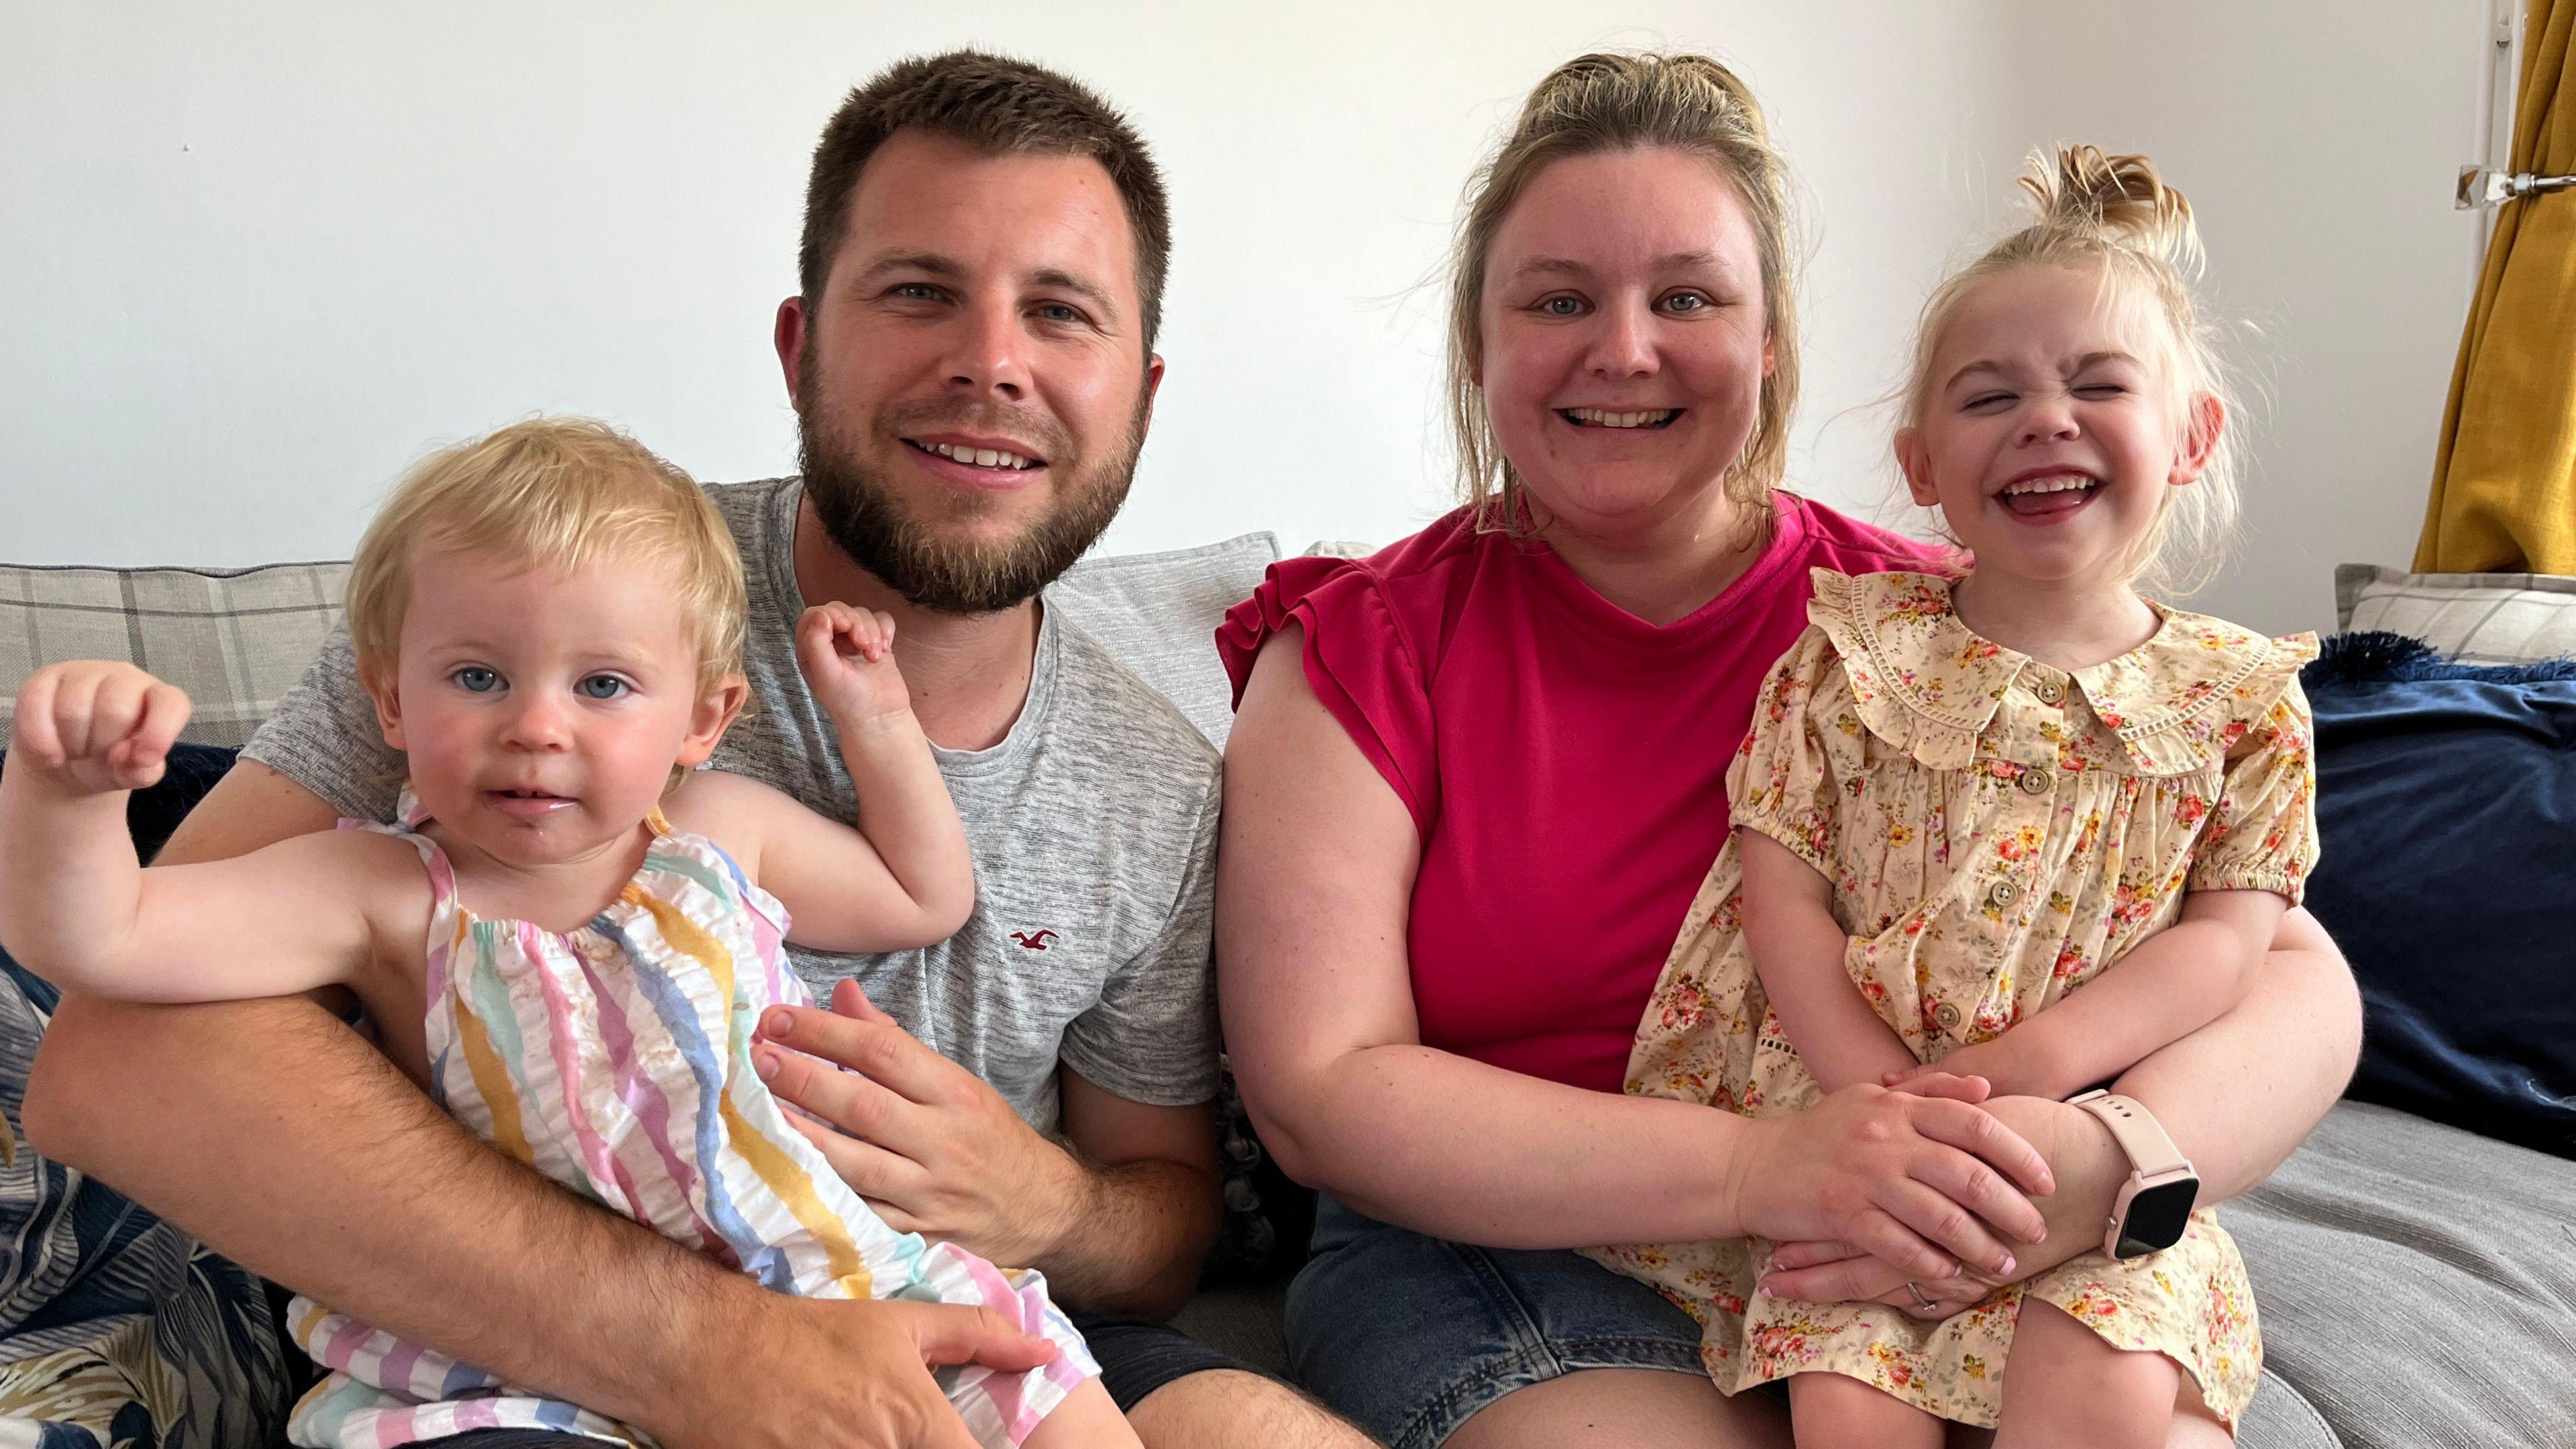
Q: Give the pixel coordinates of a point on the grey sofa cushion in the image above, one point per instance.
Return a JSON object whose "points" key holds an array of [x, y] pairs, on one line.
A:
{"points": [[2417, 1283], [2479, 618], [236, 639], [1157, 614]]}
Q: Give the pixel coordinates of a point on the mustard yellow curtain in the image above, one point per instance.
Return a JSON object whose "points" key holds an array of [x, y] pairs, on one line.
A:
{"points": [[2504, 481]]}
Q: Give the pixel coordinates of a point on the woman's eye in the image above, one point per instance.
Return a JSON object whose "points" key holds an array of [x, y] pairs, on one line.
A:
{"points": [[475, 679], [1562, 306], [1686, 302], [602, 686]]}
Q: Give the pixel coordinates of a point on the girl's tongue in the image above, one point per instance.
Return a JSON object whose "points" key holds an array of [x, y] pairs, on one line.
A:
{"points": [[2049, 503]]}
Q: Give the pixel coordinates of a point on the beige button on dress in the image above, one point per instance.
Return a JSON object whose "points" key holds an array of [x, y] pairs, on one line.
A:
{"points": [[1996, 832]]}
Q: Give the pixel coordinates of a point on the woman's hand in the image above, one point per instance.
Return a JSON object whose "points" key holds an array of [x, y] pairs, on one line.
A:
{"points": [[2086, 1165], [1923, 1180]]}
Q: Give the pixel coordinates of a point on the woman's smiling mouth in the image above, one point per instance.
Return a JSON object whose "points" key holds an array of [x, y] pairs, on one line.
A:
{"points": [[1605, 418]]}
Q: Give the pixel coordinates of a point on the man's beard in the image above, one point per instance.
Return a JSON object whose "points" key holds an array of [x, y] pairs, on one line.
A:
{"points": [[914, 554]]}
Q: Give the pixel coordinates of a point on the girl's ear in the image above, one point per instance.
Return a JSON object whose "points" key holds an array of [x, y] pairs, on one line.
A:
{"points": [[714, 714], [1916, 461], [378, 681], [2204, 420]]}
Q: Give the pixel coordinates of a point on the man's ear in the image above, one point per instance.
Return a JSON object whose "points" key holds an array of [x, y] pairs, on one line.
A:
{"points": [[1916, 462], [2204, 421], [715, 713], [787, 334], [378, 680]]}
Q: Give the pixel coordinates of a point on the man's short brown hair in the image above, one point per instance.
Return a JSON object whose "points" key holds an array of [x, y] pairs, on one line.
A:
{"points": [[1000, 106]]}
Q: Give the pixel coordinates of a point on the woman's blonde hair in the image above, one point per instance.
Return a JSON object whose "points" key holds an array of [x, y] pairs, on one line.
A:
{"points": [[557, 494], [2117, 214], [1597, 103]]}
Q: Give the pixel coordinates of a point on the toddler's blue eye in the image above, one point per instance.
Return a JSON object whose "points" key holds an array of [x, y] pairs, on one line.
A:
{"points": [[475, 679], [602, 686]]}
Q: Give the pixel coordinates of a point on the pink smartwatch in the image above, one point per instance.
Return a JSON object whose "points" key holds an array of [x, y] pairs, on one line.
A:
{"points": [[2155, 1205]]}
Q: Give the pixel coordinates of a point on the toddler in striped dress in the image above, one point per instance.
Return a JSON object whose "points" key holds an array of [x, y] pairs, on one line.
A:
{"points": [[549, 621]]}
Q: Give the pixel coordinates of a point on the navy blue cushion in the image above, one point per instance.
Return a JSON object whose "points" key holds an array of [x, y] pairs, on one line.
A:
{"points": [[104, 1296], [150, 815], [2446, 796]]}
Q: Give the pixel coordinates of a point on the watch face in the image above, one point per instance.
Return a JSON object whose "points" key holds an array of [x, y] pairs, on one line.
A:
{"points": [[2157, 1216]]}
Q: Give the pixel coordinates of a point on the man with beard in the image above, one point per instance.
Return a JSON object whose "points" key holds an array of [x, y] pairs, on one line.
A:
{"points": [[970, 357]]}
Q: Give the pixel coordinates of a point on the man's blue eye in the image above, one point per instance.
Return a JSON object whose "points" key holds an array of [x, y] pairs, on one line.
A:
{"points": [[602, 686], [475, 679]]}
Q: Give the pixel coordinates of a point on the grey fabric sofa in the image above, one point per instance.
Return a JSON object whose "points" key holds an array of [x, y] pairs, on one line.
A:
{"points": [[2417, 1283]]}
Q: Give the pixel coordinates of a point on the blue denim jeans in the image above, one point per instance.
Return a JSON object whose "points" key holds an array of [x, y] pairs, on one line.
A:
{"points": [[1410, 1335]]}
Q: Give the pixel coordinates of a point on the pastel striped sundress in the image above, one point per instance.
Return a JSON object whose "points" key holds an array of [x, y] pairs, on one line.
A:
{"points": [[616, 1060]]}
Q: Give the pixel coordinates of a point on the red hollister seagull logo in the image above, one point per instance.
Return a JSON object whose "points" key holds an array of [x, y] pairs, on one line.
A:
{"points": [[1037, 942]]}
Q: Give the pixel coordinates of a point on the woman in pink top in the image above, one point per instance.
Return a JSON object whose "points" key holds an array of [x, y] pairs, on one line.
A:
{"points": [[1476, 779]]}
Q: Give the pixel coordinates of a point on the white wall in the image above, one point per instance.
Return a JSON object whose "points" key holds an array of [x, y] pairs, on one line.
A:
{"points": [[254, 258], [2318, 141]]}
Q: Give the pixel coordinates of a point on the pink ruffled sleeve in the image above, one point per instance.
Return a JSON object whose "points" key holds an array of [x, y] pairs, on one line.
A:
{"points": [[1358, 662]]}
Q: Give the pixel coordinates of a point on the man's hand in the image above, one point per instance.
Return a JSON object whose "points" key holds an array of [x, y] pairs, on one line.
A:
{"points": [[841, 1375], [929, 1144]]}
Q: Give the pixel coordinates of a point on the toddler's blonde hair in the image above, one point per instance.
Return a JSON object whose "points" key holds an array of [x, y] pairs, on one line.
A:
{"points": [[2116, 213], [555, 493]]}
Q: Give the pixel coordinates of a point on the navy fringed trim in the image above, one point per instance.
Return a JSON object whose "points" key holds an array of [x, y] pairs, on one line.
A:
{"points": [[2378, 657]]}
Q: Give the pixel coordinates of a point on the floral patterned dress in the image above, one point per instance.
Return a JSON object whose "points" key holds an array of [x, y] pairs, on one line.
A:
{"points": [[1997, 832]]}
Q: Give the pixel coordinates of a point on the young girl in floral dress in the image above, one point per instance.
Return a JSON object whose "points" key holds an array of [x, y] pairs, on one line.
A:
{"points": [[2020, 822]]}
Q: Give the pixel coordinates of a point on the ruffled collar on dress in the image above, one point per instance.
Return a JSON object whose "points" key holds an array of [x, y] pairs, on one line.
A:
{"points": [[1926, 683]]}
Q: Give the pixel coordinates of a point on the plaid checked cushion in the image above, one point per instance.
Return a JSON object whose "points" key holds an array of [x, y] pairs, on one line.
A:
{"points": [[2474, 618], [236, 640]]}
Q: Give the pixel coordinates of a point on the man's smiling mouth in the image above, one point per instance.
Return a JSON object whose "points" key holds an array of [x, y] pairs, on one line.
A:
{"points": [[995, 458]]}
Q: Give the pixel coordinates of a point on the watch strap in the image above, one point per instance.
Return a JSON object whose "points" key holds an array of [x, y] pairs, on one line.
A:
{"points": [[2151, 1152]]}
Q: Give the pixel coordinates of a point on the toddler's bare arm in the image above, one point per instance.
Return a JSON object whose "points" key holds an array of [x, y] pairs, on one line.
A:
{"points": [[902, 878], [76, 906], [2172, 984]]}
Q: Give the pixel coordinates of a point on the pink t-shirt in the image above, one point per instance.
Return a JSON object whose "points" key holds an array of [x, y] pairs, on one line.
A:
{"points": [[1564, 761]]}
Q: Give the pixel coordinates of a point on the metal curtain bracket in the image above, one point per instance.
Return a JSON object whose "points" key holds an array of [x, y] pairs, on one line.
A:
{"points": [[2482, 186]]}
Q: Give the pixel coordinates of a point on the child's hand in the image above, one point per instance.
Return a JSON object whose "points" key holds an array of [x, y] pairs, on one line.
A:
{"points": [[847, 655], [97, 726], [1985, 1059]]}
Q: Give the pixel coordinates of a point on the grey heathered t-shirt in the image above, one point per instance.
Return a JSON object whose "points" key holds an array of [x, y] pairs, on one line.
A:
{"points": [[1093, 827]]}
